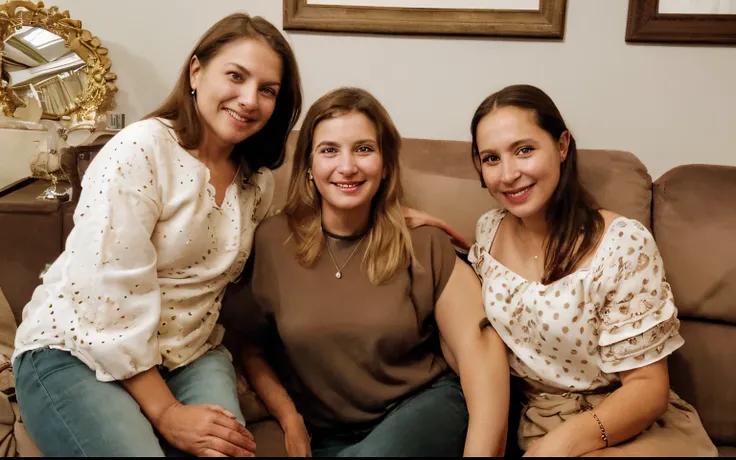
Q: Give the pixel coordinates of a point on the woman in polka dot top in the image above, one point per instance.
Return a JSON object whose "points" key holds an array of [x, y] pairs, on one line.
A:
{"points": [[119, 352], [577, 293]]}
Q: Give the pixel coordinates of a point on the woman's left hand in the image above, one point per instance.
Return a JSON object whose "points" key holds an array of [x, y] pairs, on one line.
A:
{"points": [[416, 219]]}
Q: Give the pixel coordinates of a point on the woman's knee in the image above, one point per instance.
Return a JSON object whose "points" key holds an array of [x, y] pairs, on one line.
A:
{"points": [[68, 412], [210, 379], [432, 422]]}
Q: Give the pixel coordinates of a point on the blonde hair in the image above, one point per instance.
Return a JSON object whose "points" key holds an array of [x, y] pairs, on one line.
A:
{"points": [[389, 245]]}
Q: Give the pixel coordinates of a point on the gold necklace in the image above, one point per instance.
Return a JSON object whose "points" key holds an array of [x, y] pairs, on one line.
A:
{"points": [[526, 247], [338, 273]]}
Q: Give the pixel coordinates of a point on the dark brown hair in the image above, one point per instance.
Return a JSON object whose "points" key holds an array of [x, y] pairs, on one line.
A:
{"points": [[389, 245], [574, 223], [266, 147]]}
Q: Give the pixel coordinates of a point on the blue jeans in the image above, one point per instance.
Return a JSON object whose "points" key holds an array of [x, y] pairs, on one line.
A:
{"points": [[430, 423], [69, 413]]}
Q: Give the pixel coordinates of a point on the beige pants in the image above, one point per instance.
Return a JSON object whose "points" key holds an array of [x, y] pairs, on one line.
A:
{"points": [[677, 433]]}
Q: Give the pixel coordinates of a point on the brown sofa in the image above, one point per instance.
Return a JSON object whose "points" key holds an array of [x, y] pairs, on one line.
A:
{"points": [[689, 209]]}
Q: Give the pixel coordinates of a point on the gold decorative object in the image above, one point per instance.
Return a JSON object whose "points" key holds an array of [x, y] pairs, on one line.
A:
{"points": [[73, 83]]}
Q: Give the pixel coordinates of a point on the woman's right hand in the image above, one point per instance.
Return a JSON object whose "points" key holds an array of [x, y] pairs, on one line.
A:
{"points": [[298, 441], [205, 431]]}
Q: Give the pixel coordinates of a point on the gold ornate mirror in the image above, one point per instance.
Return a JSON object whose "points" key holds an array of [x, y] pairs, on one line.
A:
{"points": [[46, 56]]}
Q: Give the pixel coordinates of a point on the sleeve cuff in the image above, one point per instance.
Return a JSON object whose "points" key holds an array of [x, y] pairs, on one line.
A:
{"points": [[643, 349]]}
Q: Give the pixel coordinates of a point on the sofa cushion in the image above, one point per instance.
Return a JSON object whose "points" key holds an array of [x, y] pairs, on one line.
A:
{"points": [[7, 327], [459, 202], [282, 174], [440, 179], [253, 409], [269, 438], [694, 224], [618, 181], [442, 158], [26, 446], [701, 372]]}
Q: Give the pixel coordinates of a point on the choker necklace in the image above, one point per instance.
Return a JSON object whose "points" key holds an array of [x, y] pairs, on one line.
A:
{"points": [[338, 273], [353, 237]]}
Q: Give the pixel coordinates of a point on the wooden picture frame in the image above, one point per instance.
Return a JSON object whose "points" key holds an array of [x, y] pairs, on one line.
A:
{"points": [[646, 24], [548, 21]]}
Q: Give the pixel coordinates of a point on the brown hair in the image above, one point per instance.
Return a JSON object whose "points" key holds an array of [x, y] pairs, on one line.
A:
{"points": [[389, 242], [266, 147], [574, 225]]}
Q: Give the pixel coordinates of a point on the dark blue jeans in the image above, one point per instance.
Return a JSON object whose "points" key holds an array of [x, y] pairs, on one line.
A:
{"points": [[430, 423], [69, 413]]}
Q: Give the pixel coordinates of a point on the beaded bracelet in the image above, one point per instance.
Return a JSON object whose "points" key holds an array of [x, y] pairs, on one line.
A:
{"points": [[604, 436]]}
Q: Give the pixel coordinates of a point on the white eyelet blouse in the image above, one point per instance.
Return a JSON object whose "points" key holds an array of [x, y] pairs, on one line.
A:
{"points": [[141, 279], [577, 333]]}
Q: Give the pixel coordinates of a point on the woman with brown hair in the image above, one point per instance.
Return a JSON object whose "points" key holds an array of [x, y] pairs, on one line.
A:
{"points": [[348, 356], [119, 352], [577, 293]]}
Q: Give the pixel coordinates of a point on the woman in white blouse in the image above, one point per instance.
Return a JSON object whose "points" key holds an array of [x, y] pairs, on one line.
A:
{"points": [[577, 293], [119, 353]]}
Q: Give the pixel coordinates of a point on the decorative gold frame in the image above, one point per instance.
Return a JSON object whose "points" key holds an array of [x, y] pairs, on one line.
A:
{"points": [[98, 96], [547, 22]]}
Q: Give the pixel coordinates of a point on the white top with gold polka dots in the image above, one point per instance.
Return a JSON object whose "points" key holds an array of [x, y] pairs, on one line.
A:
{"points": [[577, 333], [141, 279]]}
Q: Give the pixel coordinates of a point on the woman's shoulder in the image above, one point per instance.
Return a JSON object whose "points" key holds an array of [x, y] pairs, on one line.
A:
{"points": [[263, 181], [492, 215], [427, 236], [272, 229], [263, 177], [625, 243], [433, 247], [148, 130], [488, 224], [623, 228], [144, 137]]}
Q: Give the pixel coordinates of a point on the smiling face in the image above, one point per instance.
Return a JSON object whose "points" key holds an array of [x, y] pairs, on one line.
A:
{"points": [[236, 90], [347, 166], [520, 161]]}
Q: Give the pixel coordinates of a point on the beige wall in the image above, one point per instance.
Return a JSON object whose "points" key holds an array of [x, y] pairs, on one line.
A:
{"points": [[670, 105]]}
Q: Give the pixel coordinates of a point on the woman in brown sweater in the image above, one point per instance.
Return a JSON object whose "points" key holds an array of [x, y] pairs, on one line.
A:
{"points": [[348, 356]]}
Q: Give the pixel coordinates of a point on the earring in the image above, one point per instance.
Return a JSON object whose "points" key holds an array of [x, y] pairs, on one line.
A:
{"points": [[194, 93], [309, 174]]}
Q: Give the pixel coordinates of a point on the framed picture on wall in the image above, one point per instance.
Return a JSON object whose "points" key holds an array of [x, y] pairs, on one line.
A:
{"points": [[500, 18], [682, 21]]}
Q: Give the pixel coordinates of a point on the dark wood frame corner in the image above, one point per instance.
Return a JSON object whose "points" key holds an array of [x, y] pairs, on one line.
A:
{"points": [[646, 24], [547, 22]]}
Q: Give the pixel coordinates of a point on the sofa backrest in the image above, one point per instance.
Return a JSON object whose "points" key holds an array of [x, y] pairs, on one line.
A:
{"points": [[694, 217], [439, 178]]}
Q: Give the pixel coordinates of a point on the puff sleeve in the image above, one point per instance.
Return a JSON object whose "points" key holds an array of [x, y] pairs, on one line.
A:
{"points": [[110, 269], [637, 317]]}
